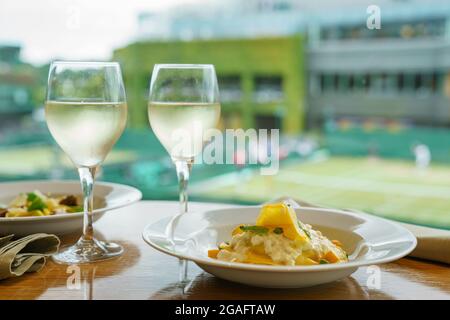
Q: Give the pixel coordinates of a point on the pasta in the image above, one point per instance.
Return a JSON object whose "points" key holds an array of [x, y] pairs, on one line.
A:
{"points": [[37, 204], [279, 238]]}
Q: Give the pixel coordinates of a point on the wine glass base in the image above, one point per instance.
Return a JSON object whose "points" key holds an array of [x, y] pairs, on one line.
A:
{"points": [[88, 251]]}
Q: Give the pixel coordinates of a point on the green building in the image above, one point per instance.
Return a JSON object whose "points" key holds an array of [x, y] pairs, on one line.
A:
{"points": [[261, 81]]}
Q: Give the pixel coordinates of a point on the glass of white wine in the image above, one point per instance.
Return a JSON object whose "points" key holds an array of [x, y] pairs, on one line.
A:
{"points": [[86, 112], [183, 105]]}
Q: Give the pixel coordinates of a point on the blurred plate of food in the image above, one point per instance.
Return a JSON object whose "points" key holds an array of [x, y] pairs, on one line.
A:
{"points": [[56, 207]]}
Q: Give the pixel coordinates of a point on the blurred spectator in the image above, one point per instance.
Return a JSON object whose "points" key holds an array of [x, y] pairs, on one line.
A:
{"points": [[423, 156]]}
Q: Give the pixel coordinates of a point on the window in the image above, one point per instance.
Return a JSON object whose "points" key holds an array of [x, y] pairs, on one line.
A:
{"points": [[377, 83], [268, 89], [390, 83], [328, 82], [361, 82], [408, 82], [426, 87], [267, 122], [230, 88], [345, 83]]}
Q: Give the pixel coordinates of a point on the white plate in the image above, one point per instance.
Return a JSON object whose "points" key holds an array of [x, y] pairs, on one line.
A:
{"points": [[108, 195], [368, 240]]}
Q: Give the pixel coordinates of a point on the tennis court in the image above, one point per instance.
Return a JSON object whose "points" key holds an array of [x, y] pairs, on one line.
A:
{"points": [[390, 188]]}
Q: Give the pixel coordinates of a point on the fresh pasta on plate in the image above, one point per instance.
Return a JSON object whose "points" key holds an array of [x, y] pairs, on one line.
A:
{"points": [[36, 203]]}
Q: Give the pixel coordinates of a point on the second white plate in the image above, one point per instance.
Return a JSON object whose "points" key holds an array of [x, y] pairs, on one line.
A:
{"points": [[108, 196], [368, 240]]}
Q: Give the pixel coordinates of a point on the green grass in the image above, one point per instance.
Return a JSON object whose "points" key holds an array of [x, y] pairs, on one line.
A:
{"points": [[390, 188], [35, 159]]}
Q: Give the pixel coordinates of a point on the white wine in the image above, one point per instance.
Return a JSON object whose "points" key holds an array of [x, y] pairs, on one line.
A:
{"points": [[86, 131], [180, 127]]}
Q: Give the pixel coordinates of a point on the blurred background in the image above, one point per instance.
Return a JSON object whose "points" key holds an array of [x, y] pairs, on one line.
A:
{"points": [[364, 114]]}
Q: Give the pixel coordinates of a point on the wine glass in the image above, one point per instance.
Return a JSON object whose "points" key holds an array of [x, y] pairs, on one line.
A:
{"points": [[183, 105], [86, 112]]}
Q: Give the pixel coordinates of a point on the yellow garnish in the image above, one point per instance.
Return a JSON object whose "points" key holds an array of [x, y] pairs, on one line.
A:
{"points": [[213, 253], [253, 257], [302, 260], [281, 216], [337, 243], [331, 257]]}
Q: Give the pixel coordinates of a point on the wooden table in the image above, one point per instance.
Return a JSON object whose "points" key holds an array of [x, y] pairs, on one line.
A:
{"points": [[144, 273]]}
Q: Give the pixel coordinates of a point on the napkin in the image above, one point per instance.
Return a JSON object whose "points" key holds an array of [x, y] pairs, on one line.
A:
{"points": [[27, 254], [432, 244]]}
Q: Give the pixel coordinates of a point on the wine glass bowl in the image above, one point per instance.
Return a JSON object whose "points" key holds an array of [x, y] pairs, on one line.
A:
{"points": [[183, 104]]}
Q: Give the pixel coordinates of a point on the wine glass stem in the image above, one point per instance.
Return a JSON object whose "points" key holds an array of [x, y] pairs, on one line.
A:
{"points": [[87, 185], [183, 171]]}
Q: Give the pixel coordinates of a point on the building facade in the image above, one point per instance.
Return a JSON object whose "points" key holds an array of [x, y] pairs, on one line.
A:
{"points": [[262, 83], [398, 72], [339, 69]]}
